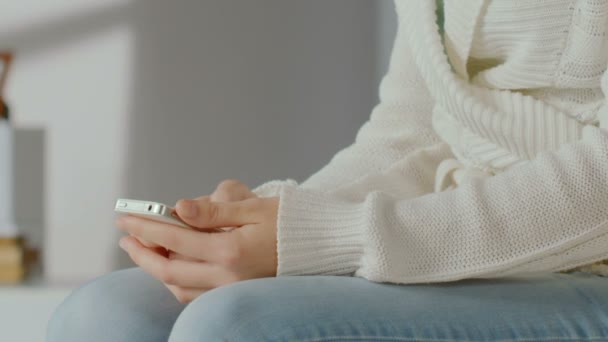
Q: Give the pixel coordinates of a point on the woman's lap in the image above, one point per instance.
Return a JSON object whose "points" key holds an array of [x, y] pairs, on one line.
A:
{"points": [[557, 307], [127, 305]]}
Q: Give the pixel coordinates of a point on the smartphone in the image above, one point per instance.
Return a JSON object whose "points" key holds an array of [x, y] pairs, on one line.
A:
{"points": [[150, 210]]}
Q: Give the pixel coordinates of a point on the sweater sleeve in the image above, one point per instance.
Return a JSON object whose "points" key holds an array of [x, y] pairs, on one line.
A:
{"points": [[398, 126], [549, 214]]}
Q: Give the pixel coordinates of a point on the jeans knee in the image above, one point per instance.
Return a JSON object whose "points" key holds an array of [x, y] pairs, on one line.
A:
{"points": [[77, 315], [122, 306], [246, 311]]}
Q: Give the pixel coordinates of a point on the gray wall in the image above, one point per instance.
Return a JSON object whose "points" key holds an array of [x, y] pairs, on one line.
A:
{"points": [[386, 28], [253, 90]]}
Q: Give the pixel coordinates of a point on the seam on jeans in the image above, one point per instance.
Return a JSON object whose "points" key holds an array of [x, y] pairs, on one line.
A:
{"points": [[230, 337], [414, 339]]}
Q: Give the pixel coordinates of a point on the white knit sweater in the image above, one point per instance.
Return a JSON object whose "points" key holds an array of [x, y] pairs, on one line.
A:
{"points": [[487, 155]]}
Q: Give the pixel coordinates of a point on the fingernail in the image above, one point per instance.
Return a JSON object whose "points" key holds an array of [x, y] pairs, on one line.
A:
{"points": [[187, 208]]}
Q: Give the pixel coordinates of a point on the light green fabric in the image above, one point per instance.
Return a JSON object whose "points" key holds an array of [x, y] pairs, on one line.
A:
{"points": [[440, 16], [441, 24]]}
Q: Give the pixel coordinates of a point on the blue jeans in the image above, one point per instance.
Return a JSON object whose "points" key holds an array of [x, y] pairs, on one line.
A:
{"points": [[131, 306]]}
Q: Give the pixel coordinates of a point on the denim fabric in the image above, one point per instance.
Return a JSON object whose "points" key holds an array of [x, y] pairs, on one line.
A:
{"points": [[131, 306]]}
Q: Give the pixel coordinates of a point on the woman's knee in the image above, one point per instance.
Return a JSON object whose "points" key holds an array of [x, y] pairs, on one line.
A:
{"points": [[126, 305], [246, 311]]}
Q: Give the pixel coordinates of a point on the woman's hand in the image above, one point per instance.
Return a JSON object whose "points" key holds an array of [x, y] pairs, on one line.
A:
{"points": [[200, 261], [230, 190]]}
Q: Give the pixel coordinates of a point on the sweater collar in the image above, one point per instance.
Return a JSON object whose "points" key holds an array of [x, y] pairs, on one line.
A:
{"points": [[476, 108], [461, 21]]}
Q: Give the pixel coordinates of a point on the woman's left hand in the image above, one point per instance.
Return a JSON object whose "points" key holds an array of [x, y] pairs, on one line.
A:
{"points": [[203, 260]]}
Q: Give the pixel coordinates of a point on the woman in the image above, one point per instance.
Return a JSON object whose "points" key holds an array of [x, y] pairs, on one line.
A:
{"points": [[486, 158]]}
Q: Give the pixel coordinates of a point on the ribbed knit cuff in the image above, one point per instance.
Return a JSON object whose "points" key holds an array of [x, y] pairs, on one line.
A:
{"points": [[318, 234], [272, 188]]}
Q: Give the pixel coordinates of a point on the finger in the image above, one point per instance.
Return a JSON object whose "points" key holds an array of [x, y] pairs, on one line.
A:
{"points": [[207, 214], [185, 295], [152, 246], [146, 243], [176, 256], [212, 247], [187, 274], [230, 191], [209, 230]]}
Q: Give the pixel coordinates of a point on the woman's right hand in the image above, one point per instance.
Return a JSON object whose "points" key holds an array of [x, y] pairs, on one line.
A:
{"points": [[226, 191], [230, 190]]}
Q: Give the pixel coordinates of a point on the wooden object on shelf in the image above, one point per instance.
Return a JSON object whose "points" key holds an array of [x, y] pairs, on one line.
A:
{"points": [[11, 255], [16, 260], [12, 275], [13, 264], [10, 241]]}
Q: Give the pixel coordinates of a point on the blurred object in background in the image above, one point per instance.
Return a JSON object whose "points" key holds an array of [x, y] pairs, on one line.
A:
{"points": [[13, 254], [6, 58], [29, 193], [8, 228], [12, 260], [11, 245]]}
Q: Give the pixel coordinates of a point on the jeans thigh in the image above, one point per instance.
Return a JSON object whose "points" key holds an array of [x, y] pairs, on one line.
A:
{"points": [[555, 307]]}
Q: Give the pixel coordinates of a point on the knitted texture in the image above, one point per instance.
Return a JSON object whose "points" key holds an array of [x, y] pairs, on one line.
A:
{"points": [[522, 158], [561, 62]]}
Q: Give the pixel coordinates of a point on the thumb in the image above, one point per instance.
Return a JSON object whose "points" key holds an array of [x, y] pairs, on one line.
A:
{"points": [[203, 213]]}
